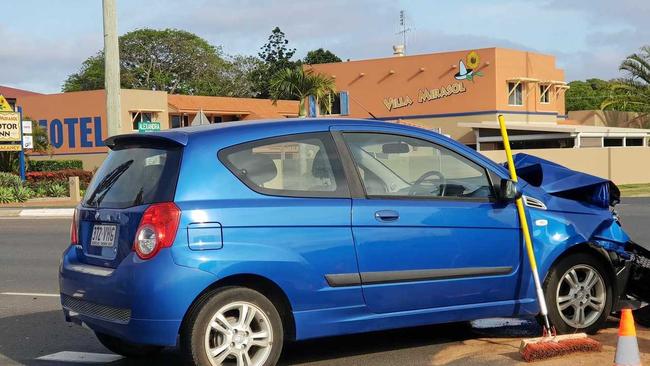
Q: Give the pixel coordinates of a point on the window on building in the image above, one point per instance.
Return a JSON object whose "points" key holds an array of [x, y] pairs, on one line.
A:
{"points": [[406, 167], [335, 102], [217, 119], [558, 143], [12, 103], [176, 121], [138, 117], [544, 94], [634, 141], [515, 93], [613, 141], [304, 165], [339, 104]]}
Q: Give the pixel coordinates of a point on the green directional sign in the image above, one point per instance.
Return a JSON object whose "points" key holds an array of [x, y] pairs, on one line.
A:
{"points": [[148, 127]]}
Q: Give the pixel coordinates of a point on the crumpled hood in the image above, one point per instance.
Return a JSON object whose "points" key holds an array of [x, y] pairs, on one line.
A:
{"points": [[563, 182]]}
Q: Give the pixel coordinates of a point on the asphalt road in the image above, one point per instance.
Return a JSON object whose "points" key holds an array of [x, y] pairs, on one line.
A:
{"points": [[32, 326]]}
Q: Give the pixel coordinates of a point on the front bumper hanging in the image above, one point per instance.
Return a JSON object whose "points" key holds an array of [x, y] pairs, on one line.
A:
{"points": [[638, 284]]}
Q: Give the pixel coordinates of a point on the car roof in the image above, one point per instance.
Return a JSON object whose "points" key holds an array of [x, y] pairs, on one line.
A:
{"points": [[321, 123], [183, 134], [270, 127]]}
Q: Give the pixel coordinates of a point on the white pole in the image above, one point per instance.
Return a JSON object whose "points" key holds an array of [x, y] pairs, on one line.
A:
{"points": [[112, 68]]}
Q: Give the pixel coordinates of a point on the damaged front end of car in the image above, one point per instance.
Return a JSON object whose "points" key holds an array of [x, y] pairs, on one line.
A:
{"points": [[579, 210]]}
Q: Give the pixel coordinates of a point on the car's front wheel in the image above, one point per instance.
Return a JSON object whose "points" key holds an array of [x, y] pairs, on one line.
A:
{"points": [[578, 294], [233, 326]]}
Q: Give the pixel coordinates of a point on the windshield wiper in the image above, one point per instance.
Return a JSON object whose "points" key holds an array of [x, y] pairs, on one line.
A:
{"points": [[106, 183]]}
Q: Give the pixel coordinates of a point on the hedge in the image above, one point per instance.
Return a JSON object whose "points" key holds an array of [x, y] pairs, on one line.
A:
{"points": [[84, 176], [54, 165]]}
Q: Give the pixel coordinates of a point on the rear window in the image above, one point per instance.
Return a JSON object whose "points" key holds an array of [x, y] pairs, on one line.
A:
{"points": [[134, 176]]}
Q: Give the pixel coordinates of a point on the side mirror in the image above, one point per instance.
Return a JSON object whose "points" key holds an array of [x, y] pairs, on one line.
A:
{"points": [[508, 191]]}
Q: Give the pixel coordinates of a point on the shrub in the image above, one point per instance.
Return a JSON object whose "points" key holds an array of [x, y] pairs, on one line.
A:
{"points": [[9, 180], [6, 194], [22, 194], [54, 165], [60, 175], [40, 189], [56, 190]]}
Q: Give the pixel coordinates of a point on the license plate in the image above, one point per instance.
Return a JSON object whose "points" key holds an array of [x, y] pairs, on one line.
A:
{"points": [[103, 235]]}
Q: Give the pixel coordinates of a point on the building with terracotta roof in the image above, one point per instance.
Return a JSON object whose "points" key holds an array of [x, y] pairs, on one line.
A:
{"points": [[12, 93], [460, 94], [76, 122], [184, 108]]}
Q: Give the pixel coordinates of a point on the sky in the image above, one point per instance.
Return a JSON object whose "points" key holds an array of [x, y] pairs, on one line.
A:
{"points": [[43, 41]]}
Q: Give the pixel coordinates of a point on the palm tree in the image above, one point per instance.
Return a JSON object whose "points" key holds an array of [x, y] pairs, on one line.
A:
{"points": [[633, 93], [637, 65], [298, 83]]}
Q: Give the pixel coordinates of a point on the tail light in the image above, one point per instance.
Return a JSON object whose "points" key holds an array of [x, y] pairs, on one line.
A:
{"points": [[157, 229], [74, 228]]}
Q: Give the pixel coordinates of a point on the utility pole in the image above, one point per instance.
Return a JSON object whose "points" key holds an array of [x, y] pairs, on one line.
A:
{"points": [[112, 69]]}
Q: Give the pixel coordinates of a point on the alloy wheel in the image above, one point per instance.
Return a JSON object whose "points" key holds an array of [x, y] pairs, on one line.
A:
{"points": [[581, 296], [240, 334]]}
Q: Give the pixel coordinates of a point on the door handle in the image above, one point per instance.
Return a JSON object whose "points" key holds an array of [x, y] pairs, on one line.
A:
{"points": [[386, 215]]}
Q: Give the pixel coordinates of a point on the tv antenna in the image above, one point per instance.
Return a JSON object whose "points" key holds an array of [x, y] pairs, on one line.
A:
{"points": [[403, 28]]}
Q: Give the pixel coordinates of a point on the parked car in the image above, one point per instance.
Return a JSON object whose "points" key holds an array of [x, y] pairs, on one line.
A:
{"points": [[230, 239]]}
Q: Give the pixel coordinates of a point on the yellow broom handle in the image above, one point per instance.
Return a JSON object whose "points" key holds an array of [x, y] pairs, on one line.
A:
{"points": [[524, 224], [520, 203]]}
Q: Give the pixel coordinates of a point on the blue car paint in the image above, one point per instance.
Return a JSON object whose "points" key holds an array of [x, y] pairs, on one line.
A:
{"points": [[295, 242], [157, 291]]}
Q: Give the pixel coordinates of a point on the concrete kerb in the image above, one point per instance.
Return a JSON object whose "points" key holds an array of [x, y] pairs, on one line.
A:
{"points": [[37, 212]]}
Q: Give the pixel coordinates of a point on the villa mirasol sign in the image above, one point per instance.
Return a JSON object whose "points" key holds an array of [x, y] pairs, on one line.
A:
{"points": [[468, 69], [425, 95]]}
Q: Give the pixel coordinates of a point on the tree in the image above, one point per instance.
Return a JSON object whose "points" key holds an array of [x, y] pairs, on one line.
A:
{"points": [[89, 77], [172, 60], [320, 56], [586, 95], [276, 56], [276, 52], [637, 65], [632, 94], [298, 83], [239, 80]]}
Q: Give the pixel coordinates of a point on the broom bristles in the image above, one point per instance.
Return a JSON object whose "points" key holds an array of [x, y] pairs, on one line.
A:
{"points": [[546, 349]]}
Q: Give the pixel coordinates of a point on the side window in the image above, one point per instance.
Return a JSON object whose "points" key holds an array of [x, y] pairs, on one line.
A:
{"points": [[515, 94], [400, 166], [305, 165]]}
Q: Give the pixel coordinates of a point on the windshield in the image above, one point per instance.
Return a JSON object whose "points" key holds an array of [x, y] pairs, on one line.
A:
{"points": [[134, 176]]}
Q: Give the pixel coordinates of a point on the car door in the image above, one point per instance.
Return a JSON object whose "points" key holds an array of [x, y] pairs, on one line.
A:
{"points": [[428, 231]]}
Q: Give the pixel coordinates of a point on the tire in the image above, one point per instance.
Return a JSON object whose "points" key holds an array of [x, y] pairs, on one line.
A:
{"points": [[642, 316], [127, 349], [568, 281], [214, 324]]}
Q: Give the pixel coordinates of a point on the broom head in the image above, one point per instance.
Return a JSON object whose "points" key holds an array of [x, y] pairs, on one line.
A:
{"points": [[541, 348]]}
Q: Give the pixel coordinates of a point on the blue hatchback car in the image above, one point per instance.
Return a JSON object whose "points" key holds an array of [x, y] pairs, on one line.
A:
{"points": [[229, 239]]}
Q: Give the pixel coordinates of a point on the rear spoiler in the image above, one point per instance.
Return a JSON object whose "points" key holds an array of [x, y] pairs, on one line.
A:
{"points": [[173, 138]]}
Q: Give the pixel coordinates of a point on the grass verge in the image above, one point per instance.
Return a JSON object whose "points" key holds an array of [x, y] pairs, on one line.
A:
{"points": [[635, 190]]}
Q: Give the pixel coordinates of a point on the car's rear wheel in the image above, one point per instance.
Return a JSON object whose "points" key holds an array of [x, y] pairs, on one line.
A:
{"points": [[578, 294], [127, 349], [233, 326]]}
